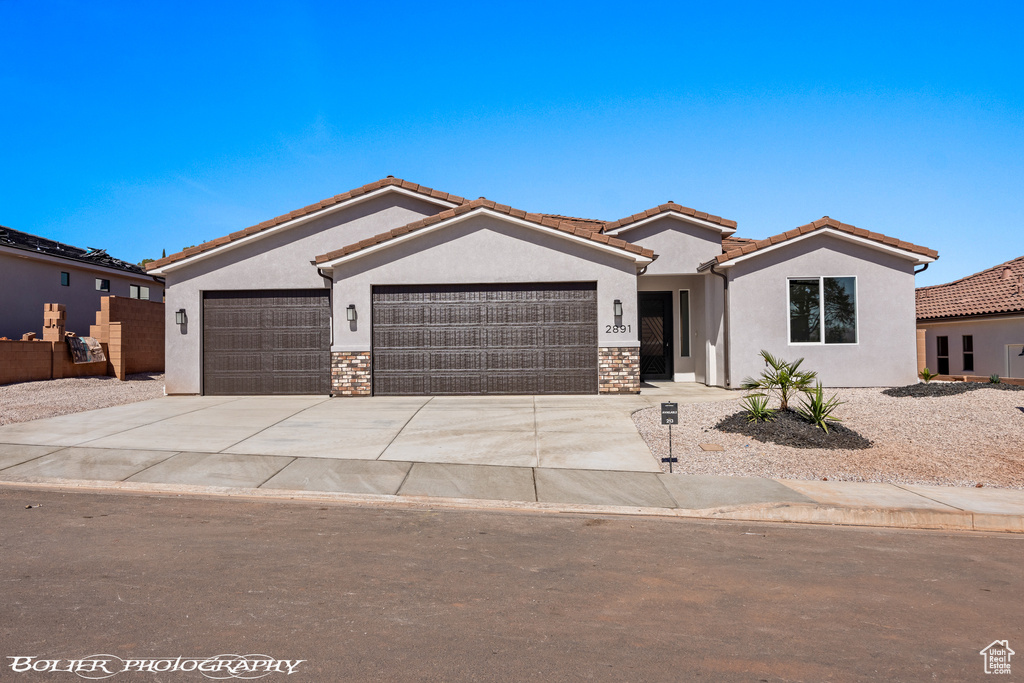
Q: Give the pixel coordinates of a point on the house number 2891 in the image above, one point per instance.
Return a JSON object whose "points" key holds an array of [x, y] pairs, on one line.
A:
{"points": [[618, 328]]}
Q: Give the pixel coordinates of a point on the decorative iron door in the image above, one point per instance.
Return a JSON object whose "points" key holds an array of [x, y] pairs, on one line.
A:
{"points": [[655, 327]]}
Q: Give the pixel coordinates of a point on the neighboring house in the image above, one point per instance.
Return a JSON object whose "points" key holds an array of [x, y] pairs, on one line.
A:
{"points": [[395, 288], [975, 325], [36, 271]]}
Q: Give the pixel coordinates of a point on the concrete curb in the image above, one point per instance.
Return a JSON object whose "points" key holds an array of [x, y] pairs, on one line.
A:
{"points": [[798, 513]]}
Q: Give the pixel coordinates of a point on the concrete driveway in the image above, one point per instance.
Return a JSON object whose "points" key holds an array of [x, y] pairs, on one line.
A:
{"points": [[562, 432]]}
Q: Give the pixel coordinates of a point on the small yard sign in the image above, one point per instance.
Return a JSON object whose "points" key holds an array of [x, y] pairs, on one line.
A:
{"points": [[670, 416]]}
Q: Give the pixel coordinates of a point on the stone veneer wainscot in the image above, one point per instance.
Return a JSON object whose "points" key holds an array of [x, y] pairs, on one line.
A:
{"points": [[350, 373], [618, 370]]}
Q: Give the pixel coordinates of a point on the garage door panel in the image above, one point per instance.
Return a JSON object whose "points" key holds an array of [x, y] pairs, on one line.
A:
{"points": [[485, 339], [266, 342]]}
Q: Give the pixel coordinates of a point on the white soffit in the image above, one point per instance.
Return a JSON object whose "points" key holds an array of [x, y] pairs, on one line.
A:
{"points": [[903, 253], [679, 216], [640, 260], [296, 221]]}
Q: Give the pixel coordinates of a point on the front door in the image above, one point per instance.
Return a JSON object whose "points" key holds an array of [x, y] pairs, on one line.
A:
{"points": [[655, 328]]}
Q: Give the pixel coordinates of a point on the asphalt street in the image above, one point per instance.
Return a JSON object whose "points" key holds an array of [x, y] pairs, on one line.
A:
{"points": [[366, 594]]}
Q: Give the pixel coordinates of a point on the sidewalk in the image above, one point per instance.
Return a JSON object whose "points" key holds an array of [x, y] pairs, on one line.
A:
{"points": [[428, 484]]}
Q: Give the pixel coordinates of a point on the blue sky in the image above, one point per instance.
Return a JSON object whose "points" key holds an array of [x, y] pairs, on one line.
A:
{"points": [[138, 127]]}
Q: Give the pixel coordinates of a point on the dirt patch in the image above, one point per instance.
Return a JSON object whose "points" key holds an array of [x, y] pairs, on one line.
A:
{"points": [[974, 437], [26, 401], [786, 428]]}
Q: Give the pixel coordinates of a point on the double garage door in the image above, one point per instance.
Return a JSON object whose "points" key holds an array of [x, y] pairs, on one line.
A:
{"points": [[485, 339], [436, 340]]}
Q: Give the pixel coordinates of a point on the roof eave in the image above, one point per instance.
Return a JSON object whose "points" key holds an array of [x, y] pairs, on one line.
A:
{"points": [[917, 258], [724, 230], [325, 262], [188, 260]]}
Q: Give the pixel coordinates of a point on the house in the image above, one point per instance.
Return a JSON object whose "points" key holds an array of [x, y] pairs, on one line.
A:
{"points": [[975, 325], [35, 271], [395, 288]]}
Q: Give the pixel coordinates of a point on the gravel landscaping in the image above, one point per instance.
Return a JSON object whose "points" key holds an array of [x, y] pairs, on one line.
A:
{"points": [[975, 436], [33, 400]]}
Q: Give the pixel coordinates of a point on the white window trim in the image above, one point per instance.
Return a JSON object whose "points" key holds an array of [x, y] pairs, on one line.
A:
{"points": [[689, 323], [821, 317]]}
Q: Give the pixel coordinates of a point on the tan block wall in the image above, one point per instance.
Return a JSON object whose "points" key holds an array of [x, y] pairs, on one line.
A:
{"points": [[65, 366], [25, 361], [618, 370], [922, 351], [134, 329]]}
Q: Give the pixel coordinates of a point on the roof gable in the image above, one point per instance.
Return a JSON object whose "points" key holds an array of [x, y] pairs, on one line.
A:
{"points": [[998, 290], [722, 225], [734, 252], [443, 199], [567, 228]]}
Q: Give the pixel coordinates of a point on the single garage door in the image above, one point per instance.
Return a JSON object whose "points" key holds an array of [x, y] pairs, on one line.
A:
{"points": [[485, 339], [267, 342]]}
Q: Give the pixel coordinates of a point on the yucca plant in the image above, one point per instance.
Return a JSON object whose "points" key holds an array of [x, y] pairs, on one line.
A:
{"points": [[927, 375], [994, 379], [757, 408], [782, 379], [817, 410]]}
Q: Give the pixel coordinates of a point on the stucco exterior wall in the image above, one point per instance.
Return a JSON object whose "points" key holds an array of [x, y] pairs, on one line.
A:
{"points": [[681, 246], [885, 353], [479, 250], [991, 338], [280, 260], [27, 281]]}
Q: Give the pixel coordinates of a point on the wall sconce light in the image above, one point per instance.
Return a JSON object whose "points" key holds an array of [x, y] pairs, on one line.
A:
{"points": [[617, 306], [180, 318], [350, 312]]}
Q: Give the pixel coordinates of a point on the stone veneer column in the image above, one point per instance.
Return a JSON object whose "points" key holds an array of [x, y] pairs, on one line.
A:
{"points": [[350, 373], [618, 370]]}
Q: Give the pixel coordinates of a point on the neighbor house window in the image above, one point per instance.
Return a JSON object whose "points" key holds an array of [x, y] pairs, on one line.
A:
{"points": [[65, 279], [968, 353], [102, 285], [823, 310], [137, 292], [942, 353]]}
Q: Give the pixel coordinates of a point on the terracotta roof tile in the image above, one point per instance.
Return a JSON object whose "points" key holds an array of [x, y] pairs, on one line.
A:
{"points": [[298, 213], [666, 208], [731, 248], [994, 291], [567, 226]]}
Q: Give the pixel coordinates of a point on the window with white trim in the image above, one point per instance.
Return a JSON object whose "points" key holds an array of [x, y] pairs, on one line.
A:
{"points": [[822, 310]]}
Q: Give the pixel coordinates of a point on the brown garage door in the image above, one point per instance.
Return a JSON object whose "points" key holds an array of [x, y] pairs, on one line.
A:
{"points": [[266, 342], [485, 339]]}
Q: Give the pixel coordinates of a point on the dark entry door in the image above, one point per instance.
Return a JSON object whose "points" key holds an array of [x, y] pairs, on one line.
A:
{"points": [[267, 342], [655, 335], [485, 339]]}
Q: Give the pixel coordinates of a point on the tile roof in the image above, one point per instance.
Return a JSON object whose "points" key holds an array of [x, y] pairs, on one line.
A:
{"points": [[566, 226], [730, 242], [16, 239], [734, 251], [997, 290], [666, 208], [306, 210], [589, 223]]}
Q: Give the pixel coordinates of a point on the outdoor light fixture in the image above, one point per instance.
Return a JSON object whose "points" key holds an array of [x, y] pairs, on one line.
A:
{"points": [[350, 312], [180, 318], [618, 308]]}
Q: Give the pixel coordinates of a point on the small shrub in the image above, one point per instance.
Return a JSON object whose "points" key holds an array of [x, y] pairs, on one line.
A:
{"points": [[927, 375], [994, 379], [757, 408], [784, 380], [818, 410]]}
